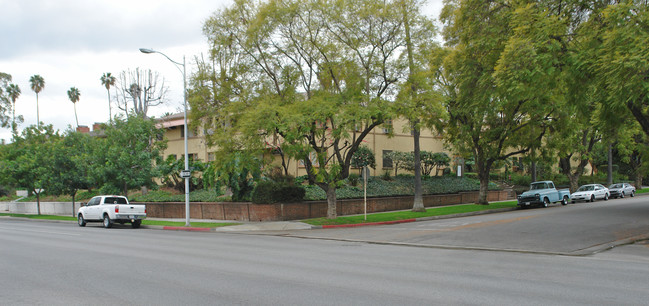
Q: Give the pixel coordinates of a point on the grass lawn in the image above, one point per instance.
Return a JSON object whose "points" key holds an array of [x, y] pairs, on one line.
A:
{"points": [[404, 215], [144, 222]]}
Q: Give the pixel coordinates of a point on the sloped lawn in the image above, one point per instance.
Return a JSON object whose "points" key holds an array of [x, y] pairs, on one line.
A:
{"points": [[399, 186]]}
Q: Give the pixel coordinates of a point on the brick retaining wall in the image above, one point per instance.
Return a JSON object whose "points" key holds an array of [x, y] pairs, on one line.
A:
{"points": [[246, 211]]}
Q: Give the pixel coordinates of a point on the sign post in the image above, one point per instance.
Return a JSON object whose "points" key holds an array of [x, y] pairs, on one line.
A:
{"points": [[365, 170]]}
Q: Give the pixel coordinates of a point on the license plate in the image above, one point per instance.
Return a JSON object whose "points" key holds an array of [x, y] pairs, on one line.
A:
{"points": [[527, 203], [132, 217]]}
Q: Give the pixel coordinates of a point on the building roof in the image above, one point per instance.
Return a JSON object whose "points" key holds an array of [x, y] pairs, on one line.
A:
{"points": [[171, 121]]}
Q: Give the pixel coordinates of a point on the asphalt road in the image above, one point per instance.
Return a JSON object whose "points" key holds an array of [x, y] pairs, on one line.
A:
{"points": [[63, 264], [576, 229]]}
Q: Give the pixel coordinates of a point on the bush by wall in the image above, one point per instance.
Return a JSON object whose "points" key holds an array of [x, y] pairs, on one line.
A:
{"points": [[269, 192]]}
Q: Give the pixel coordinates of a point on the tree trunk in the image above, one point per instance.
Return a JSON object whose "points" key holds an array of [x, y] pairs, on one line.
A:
{"points": [[636, 164], [533, 166], [418, 205], [331, 202], [483, 176], [38, 118], [110, 112], [609, 176], [574, 182], [75, 114], [38, 202], [484, 187]]}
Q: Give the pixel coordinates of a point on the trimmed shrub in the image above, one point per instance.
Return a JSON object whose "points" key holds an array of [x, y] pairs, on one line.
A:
{"points": [[269, 192], [263, 192], [289, 194], [4, 191], [353, 179], [521, 180]]}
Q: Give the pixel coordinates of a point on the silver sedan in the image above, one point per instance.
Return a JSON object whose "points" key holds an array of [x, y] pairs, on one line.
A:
{"points": [[620, 190], [590, 192]]}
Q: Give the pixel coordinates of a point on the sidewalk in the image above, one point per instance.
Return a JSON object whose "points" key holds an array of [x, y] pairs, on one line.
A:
{"points": [[247, 226], [297, 225]]}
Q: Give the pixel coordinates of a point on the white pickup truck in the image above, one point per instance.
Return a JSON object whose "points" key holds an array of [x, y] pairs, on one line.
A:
{"points": [[110, 209]]}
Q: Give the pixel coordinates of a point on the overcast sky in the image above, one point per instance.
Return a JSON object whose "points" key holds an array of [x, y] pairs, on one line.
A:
{"points": [[71, 43]]}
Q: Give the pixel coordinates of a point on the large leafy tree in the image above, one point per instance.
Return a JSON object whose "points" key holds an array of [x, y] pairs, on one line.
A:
{"points": [[74, 94], [108, 80], [127, 157], [37, 84], [311, 77], [27, 162], [621, 64], [417, 99], [576, 126], [501, 93], [70, 158]]}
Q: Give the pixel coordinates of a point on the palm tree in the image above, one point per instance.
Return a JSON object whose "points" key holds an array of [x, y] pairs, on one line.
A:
{"points": [[108, 80], [38, 83], [13, 91], [74, 95]]}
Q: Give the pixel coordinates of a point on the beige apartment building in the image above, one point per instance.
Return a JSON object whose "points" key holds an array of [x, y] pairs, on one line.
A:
{"points": [[379, 141]]}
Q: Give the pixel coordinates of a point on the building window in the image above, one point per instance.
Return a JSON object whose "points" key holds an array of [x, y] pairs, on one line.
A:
{"points": [[192, 156], [387, 126], [190, 133], [314, 160], [173, 156], [211, 156], [387, 161]]}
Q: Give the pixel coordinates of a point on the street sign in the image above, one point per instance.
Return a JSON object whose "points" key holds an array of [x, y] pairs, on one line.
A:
{"points": [[185, 173]]}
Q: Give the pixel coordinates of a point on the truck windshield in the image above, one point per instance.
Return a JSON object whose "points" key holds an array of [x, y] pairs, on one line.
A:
{"points": [[539, 186], [115, 200]]}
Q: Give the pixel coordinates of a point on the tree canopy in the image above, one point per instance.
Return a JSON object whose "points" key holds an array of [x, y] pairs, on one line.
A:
{"points": [[322, 75]]}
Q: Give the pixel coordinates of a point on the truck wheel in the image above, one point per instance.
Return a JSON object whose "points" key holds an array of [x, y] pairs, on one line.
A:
{"points": [[136, 223], [108, 223], [546, 202], [81, 221], [564, 201]]}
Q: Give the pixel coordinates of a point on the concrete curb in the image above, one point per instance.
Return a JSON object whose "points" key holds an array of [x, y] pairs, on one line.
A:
{"points": [[189, 229], [368, 224]]}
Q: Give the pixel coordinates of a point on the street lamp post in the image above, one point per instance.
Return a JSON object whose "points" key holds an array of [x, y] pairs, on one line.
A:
{"points": [[183, 71]]}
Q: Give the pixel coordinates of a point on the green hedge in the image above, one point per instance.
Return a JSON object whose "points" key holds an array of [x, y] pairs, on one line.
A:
{"points": [[399, 186], [202, 195], [269, 192]]}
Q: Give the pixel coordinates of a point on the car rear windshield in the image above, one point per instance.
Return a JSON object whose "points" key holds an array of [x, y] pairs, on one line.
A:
{"points": [[115, 200], [616, 186]]}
